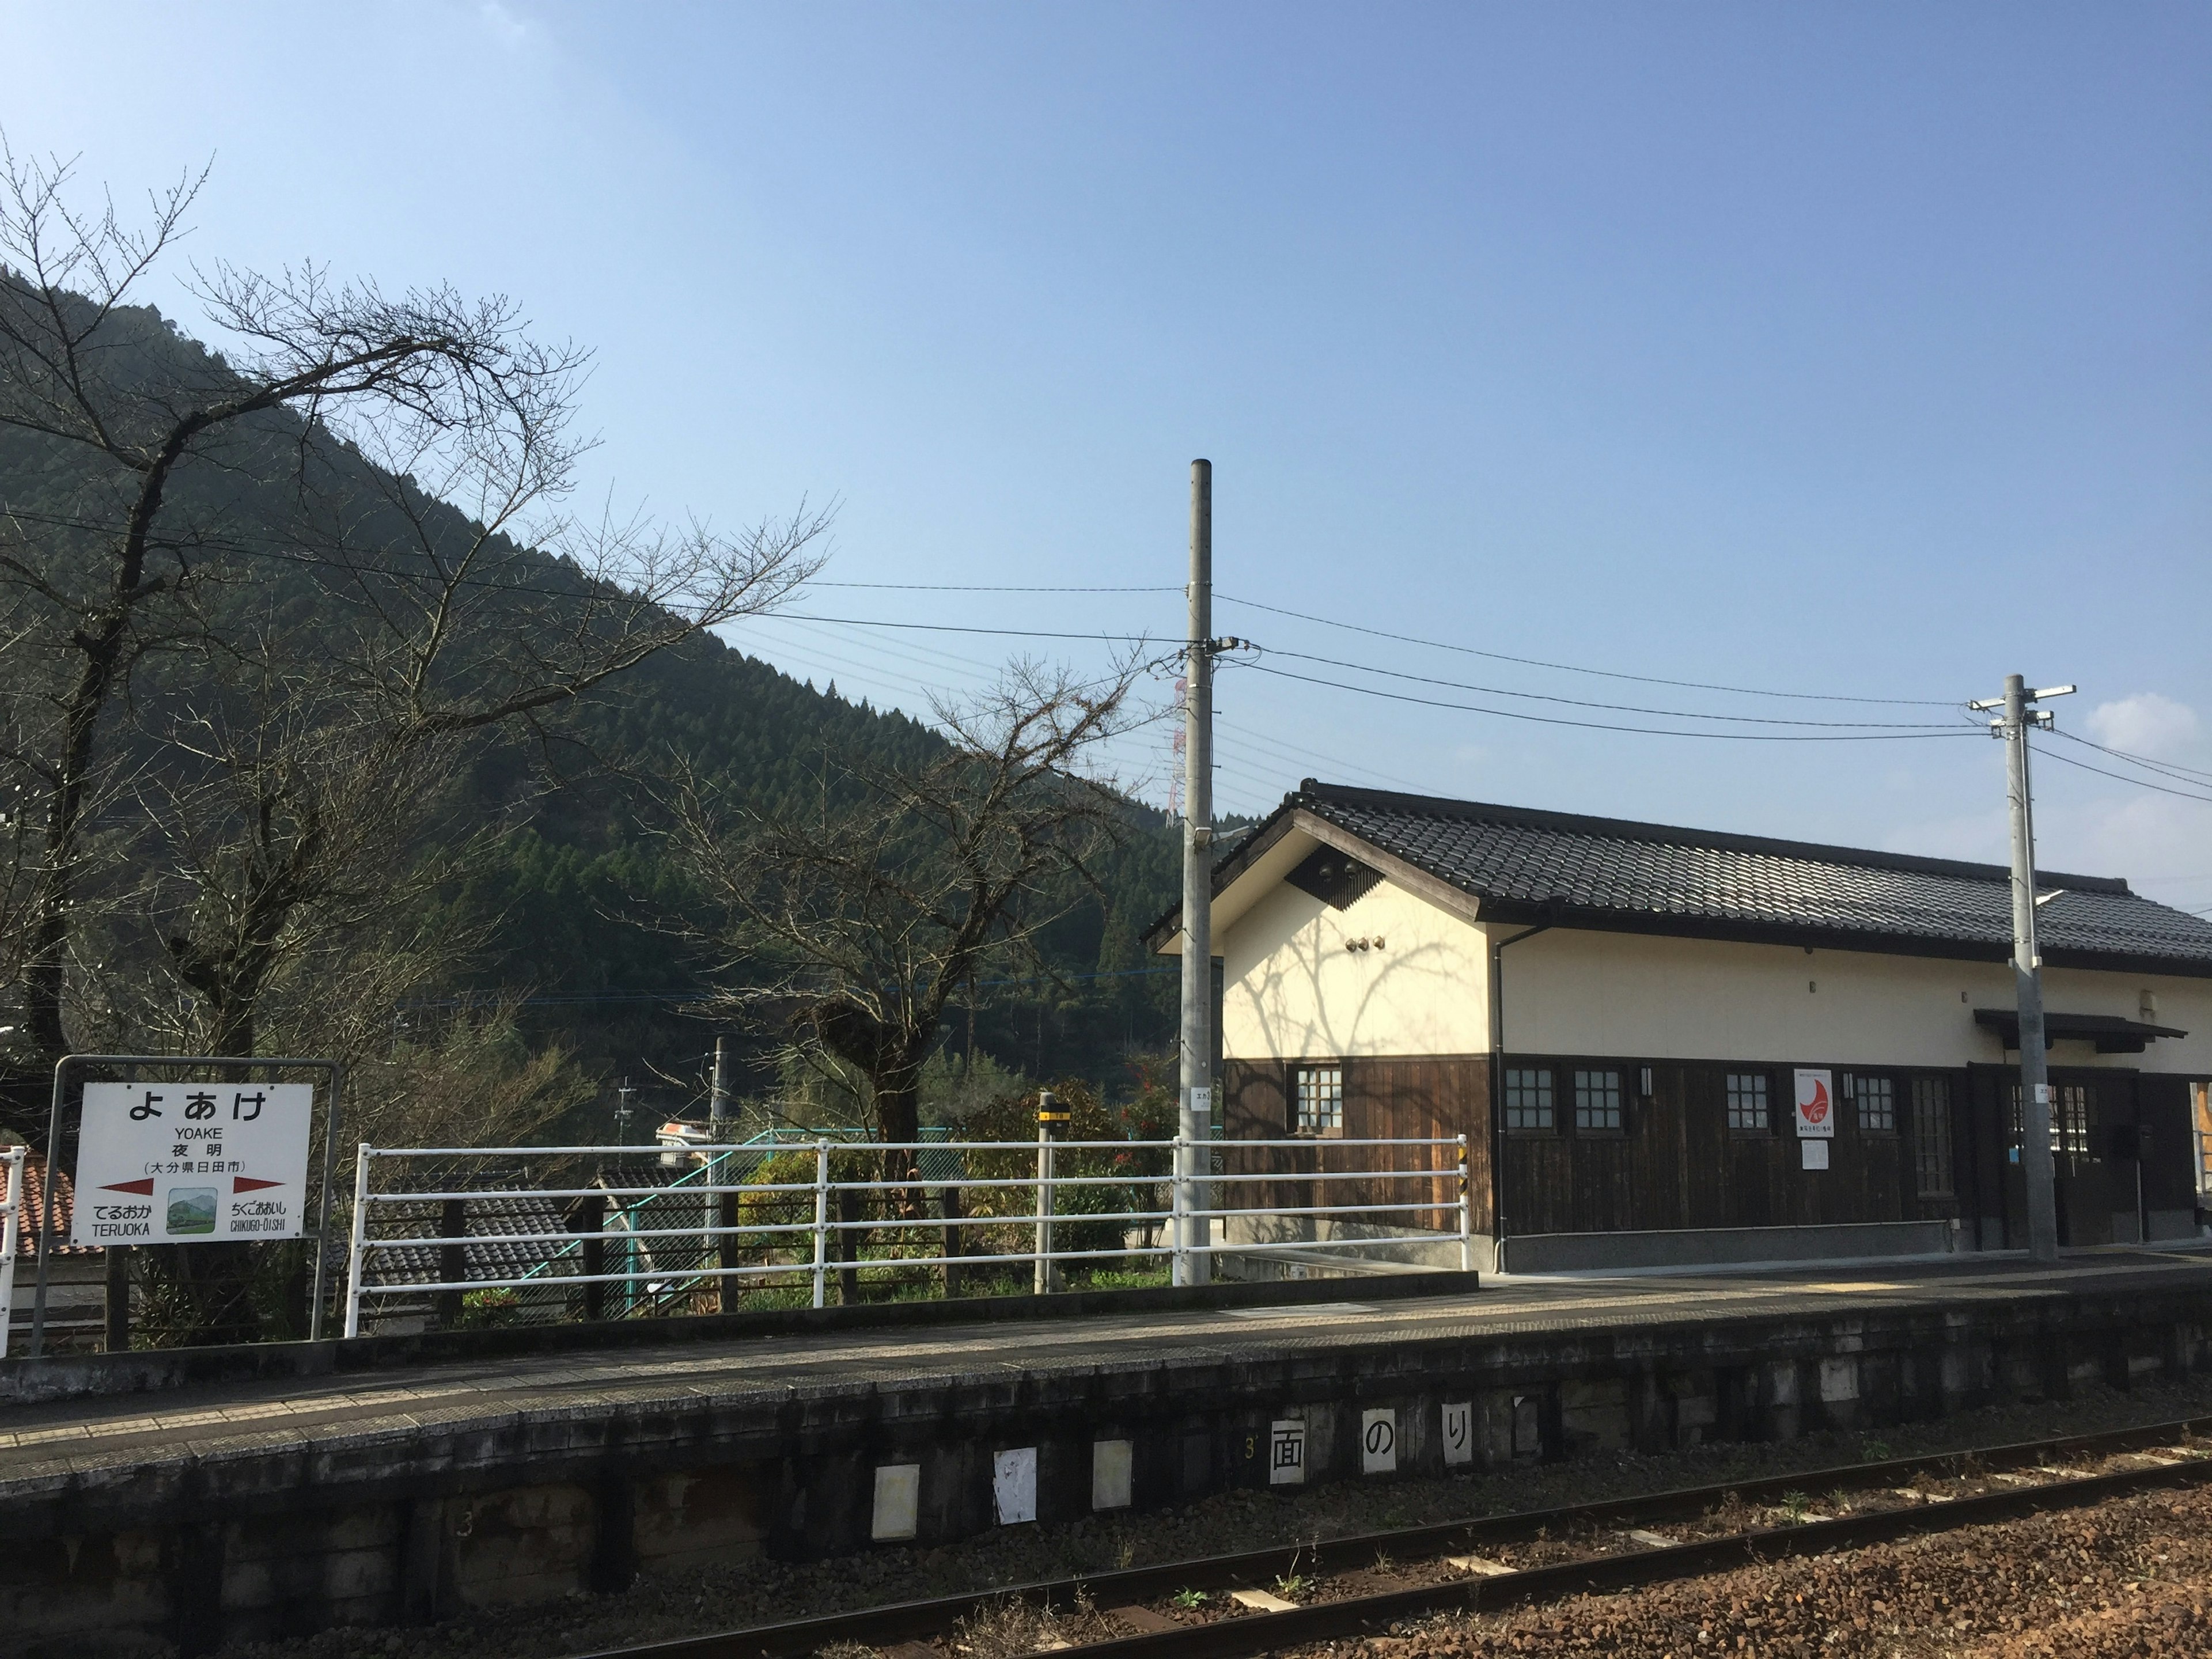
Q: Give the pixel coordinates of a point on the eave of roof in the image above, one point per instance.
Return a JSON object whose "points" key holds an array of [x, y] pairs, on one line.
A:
{"points": [[1308, 808], [2113, 1034]]}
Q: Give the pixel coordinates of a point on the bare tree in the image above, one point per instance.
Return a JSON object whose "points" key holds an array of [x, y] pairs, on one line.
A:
{"points": [[908, 884], [426, 446]]}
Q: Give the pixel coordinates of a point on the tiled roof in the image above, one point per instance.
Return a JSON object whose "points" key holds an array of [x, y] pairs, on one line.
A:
{"points": [[27, 1224], [1607, 873], [509, 1208], [520, 1213]]}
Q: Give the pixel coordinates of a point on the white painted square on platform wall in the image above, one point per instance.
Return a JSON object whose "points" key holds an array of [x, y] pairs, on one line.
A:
{"points": [[1286, 1452], [1378, 1442], [1459, 1434], [898, 1500], [1013, 1485], [1109, 1474]]}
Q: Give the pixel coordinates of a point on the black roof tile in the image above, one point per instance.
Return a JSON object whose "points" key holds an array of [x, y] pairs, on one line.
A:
{"points": [[1605, 873]]}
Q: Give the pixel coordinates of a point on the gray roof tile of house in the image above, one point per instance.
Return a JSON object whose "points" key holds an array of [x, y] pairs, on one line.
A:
{"points": [[1522, 863]]}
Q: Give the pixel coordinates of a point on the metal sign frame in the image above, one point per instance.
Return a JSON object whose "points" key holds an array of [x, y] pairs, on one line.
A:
{"points": [[334, 1088]]}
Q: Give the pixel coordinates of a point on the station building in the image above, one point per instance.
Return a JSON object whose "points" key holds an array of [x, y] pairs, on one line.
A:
{"points": [[1622, 1017]]}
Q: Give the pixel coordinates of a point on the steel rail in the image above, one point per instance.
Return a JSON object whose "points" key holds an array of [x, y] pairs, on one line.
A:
{"points": [[1254, 1634]]}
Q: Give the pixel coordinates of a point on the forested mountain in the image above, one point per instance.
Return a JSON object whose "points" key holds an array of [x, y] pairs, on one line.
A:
{"points": [[542, 854]]}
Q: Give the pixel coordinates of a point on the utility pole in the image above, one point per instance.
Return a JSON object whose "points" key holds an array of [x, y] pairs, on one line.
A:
{"points": [[717, 1094], [2035, 1161], [720, 1245], [622, 1113], [1195, 1124]]}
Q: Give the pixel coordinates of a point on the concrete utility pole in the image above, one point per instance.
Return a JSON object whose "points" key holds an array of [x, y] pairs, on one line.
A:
{"points": [[1195, 1125], [720, 1245], [718, 1096], [2035, 1160]]}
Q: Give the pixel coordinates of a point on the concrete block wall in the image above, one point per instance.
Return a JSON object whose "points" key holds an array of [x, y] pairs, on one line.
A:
{"points": [[183, 1557]]}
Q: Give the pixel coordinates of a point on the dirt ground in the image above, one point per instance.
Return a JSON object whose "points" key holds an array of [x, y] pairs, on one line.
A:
{"points": [[2129, 1578], [760, 1592]]}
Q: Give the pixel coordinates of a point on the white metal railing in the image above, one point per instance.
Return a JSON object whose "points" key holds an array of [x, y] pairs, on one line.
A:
{"points": [[681, 1239], [11, 1231]]}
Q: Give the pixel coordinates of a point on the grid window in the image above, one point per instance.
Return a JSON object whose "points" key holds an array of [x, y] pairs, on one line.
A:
{"points": [[1597, 1102], [1746, 1104], [2077, 1121], [2073, 1119], [1529, 1102], [1931, 1136], [1320, 1100], [1876, 1100], [2200, 1120]]}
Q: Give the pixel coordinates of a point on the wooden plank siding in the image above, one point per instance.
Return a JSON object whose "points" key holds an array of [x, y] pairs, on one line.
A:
{"points": [[1676, 1164], [1417, 1098]]}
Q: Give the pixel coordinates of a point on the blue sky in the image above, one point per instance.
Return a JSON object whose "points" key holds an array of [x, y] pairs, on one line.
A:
{"points": [[1816, 349]]}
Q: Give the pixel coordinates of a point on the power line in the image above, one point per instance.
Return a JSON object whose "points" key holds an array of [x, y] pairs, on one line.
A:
{"points": [[563, 999], [1575, 668], [1604, 726], [2122, 777], [1579, 702], [1302, 757], [2165, 768], [956, 588], [612, 590]]}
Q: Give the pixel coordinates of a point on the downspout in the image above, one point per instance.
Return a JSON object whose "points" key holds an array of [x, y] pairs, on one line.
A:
{"points": [[1497, 1085]]}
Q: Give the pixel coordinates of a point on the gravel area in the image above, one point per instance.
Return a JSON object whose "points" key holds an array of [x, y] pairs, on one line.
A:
{"points": [[759, 1592], [2127, 1579]]}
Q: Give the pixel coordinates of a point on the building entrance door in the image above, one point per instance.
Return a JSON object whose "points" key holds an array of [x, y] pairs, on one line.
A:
{"points": [[2096, 1188]]}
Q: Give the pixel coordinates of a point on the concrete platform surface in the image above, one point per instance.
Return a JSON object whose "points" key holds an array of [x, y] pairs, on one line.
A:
{"points": [[39, 1443]]}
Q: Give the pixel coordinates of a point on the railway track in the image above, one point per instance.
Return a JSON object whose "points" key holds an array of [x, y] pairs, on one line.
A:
{"points": [[1228, 1606]]}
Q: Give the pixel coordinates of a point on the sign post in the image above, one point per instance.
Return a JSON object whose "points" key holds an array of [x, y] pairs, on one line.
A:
{"points": [[190, 1163]]}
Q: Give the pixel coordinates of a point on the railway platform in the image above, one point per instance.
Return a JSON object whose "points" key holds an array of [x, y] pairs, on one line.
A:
{"points": [[376, 1482]]}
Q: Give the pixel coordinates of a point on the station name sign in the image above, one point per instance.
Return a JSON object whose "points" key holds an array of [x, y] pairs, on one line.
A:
{"points": [[191, 1162]]}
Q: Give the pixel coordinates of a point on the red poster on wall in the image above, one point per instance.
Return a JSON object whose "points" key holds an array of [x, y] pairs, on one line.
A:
{"points": [[1816, 1105]]}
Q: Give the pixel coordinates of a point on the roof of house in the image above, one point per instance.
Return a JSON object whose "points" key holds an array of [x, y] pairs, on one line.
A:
{"points": [[1520, 865], [35, 1201]]}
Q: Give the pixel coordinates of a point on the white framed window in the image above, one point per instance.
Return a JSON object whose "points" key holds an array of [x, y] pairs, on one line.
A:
{"points": [[1875, 1099], [1597, 1102], [1747, 1112], [1528, 1101], [1320, 1100]]}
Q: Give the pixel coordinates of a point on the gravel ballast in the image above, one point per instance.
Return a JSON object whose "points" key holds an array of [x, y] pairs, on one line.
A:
{"points": [[2131, 1578]]}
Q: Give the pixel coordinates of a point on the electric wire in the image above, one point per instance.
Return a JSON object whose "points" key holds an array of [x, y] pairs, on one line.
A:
{"points": [[1580, 703], [1936, 734], [2174, 769], [610, 590], [2122, 777], [956, 588], [1576, 668], [1305, 759]]}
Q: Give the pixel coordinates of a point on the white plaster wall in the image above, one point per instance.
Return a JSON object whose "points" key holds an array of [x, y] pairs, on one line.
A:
{"points": [[1572, 992], [1290, 990]]}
